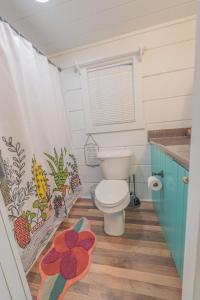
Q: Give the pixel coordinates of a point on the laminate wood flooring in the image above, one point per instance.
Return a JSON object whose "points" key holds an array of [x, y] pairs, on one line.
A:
{"points": [[135, 266]]}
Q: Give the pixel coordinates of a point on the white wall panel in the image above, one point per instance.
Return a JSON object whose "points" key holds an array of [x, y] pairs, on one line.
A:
{"points": [[122, 138], [169, 125], [168, 85], [141, 154], [89, 174], [142, 172], [79, 154], [70, 79], [77, 120], [169, 58], [150, 38], [73, 99], [179, 108], [86, 189], [142, 191], [78, 139]]}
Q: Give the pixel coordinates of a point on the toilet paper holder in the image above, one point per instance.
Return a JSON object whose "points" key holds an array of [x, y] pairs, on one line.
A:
{"points": [[161, 174]]}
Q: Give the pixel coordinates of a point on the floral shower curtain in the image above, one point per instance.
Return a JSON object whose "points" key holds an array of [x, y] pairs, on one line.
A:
{"points": [[41, 179]]}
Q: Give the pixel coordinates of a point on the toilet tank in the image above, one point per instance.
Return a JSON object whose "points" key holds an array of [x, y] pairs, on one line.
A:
{"points": [[115, 164]]}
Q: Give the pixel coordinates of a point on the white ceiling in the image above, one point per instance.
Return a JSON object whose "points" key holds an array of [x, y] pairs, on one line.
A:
{"points": [[63, 24]]}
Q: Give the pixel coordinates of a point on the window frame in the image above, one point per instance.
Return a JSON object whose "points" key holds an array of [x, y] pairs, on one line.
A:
{"points": [[137, 92]]}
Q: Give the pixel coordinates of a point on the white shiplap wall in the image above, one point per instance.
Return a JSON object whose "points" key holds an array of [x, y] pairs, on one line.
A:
{"points": [[167, 69]]}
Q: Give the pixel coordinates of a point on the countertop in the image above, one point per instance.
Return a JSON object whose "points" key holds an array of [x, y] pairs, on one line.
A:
{"points": [[176, 147]]}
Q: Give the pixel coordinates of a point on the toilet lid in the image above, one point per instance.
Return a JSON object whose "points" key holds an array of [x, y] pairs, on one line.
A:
{"points": [[111, 192]]}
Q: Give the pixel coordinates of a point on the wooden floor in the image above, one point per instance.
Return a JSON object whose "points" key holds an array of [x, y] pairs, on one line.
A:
{"points": [[136, 266]]}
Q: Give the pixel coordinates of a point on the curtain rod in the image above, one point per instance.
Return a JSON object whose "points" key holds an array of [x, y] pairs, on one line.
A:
{"points": [[35, 48]]}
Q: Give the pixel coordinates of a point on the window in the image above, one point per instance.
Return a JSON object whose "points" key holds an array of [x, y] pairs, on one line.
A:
{"points": [[111, 98]]}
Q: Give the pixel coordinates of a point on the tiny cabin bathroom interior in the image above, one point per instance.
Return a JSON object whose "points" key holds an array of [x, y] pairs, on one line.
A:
{"points": [[99, 149]]}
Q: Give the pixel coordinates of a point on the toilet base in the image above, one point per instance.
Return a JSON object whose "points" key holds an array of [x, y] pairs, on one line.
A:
{"points": [[114, 224]]}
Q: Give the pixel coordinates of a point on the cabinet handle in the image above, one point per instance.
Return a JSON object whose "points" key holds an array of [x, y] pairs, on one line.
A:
{"points": [[185, 179]]}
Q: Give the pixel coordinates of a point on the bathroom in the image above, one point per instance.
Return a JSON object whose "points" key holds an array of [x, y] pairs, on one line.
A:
{"points": [[99, 149]]}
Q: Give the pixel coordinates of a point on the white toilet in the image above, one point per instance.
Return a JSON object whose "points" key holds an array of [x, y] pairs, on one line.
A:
{"points": [[112, 193]]}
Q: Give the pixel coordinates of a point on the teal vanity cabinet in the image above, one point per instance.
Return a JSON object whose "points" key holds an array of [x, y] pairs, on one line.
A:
{"points": [[171, 203]]}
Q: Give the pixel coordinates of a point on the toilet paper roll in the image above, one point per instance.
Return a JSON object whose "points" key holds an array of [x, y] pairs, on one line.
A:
{"points": [[154, 183]]}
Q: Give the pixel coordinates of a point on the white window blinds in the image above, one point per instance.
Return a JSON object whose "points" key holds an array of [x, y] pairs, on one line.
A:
{"points": [[111, 94]]}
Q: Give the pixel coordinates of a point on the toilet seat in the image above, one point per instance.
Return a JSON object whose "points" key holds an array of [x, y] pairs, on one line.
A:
{"points": [[111, 193]]}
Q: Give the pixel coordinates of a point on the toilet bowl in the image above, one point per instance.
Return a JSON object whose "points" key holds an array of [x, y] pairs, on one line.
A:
{"points": [[112, 193], [112, 197]]}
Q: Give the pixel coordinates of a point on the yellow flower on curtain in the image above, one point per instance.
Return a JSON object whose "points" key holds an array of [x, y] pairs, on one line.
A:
{"points": [[40, 180]]}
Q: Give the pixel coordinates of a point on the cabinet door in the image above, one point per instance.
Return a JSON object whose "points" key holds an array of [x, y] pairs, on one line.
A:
{"points": [[181, 218], [170, 203]]}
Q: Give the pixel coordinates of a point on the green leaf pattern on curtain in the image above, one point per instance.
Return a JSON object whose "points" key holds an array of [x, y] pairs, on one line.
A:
{"points": [[43, 198]]}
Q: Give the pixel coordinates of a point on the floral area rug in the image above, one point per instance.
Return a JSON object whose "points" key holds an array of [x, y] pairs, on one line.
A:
{"points": [[67, 261]]}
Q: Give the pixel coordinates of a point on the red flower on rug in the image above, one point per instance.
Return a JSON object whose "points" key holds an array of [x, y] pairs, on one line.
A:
{"points": [[69, 257], [67, 261]]}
